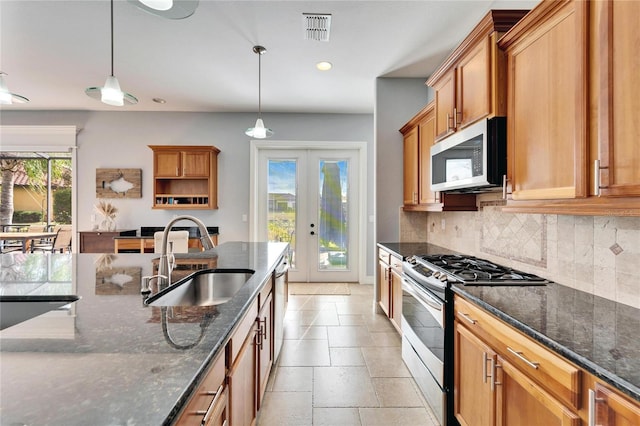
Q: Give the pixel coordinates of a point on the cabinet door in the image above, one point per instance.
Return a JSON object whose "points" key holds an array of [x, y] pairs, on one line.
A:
{"points": [[396, 298], [445, 98], [385, 292], [613, 410], [265, 347], [618, 92], [522, 402], [167, 164], [426, 133], [242, 383], [474, 367], [547, 103], [474, 85], [410, 167], [196, 164]]}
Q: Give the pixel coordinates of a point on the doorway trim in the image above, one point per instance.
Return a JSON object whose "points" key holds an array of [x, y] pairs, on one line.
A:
{"points": [[360, 147]]}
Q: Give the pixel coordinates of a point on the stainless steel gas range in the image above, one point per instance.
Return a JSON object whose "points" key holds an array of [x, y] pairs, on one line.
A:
{"points": [[427, 317]]}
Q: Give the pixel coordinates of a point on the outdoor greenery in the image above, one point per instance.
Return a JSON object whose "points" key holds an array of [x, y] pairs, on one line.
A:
{"points": [[282, 227], [62, 205], [37, 171], [27, 217]]}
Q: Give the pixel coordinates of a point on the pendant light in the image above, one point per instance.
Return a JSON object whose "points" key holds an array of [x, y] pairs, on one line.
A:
{"points": [[259, 131], [6, 97], [110, 93], [171, 9]]}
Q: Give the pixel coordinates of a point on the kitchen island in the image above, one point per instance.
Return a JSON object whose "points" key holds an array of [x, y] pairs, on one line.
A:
{"points": [[106, 359]]}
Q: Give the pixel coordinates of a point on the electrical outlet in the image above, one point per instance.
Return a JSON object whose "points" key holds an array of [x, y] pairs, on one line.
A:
{"points": [[443, 224], [244, 217]]}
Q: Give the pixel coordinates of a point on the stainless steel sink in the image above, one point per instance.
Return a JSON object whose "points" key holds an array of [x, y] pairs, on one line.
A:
{"points": [[203, 288]]}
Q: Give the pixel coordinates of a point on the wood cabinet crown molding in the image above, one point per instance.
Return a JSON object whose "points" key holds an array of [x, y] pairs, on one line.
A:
{"points": [[495, 20], [531, 20]]}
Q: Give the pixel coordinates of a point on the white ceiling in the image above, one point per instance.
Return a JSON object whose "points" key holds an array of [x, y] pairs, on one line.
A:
{"points": [[53, 49]]}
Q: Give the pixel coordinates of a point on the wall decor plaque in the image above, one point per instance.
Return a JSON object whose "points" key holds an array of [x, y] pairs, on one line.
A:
{"points": [[119, 183]]}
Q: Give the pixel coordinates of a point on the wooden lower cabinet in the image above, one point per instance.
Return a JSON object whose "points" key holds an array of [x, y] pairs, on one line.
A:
{"points": [[504, 378], [390, 285], [522, 402], [396, 297], [384, 281], [242, 383], [475, 391], [208, 405], [612, 409]]}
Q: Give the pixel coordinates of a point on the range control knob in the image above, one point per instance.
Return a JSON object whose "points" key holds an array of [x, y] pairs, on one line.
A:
{"points": [[443, 277], [436, 274]]}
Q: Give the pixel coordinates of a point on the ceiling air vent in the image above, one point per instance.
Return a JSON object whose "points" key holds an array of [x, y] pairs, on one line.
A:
{"points": [[316, 26]]}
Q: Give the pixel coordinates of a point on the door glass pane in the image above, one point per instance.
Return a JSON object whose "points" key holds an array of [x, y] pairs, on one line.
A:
{"points": [[282, 209], [332, 230]]}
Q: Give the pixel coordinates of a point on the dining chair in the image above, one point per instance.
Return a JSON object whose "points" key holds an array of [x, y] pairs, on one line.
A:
{"points": [[61, 242], [180, 240]]}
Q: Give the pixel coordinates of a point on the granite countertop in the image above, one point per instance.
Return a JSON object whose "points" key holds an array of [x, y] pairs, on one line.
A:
{"points": [[597, 334], [106, 358], [404, 250]]}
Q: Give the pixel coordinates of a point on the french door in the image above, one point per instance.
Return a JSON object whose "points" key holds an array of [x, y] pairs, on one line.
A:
{"points": [[309, 198]]}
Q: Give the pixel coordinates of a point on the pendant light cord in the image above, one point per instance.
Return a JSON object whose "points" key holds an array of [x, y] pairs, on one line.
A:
{"points": [[259, 84], [111, 38]]}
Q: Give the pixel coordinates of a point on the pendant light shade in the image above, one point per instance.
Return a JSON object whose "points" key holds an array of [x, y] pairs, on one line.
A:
{"points": [[110, 93], [259, 131], [170, 9], [6, 97]]}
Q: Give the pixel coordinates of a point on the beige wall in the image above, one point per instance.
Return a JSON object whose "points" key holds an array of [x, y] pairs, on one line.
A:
{"points": [[596, 254]]}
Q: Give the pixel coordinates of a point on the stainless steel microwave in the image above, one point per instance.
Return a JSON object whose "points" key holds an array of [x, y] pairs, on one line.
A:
{"points": [[471, 160]]}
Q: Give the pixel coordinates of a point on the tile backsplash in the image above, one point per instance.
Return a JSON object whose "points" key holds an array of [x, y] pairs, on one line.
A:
{"points": [[595, 254]]}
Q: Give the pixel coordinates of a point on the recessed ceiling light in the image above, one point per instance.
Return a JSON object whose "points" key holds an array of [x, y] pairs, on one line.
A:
{"points": [[324, 66], [159, 101]]}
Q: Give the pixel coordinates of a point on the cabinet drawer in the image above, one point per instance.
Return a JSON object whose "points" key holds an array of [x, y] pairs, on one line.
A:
{"points": [[551, 371], [396, 264], [212, 385], [384, 256]]}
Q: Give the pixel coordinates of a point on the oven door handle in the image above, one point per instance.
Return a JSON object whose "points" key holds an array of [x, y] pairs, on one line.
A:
{"points": [[422, 296]]}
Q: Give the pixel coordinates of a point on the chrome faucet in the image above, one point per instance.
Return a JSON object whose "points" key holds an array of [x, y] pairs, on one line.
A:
{"points": [[164, 267]]}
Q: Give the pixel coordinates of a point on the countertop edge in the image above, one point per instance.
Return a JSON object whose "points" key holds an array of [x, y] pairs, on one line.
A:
{"points": [[601, 373]]}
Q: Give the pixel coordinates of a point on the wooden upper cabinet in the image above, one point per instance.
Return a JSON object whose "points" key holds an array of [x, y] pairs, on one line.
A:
{"points": [[470, 84], [616, 85], [410, 167], [196, 164], [547, 102], [167, 164], [426, 134], [185, 177], [445, 100]]}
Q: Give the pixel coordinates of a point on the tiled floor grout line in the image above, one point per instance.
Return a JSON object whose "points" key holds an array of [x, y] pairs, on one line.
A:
{"points": [[353, 315]]}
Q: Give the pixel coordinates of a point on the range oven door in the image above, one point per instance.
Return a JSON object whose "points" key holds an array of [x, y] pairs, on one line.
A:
{"points": [[423, 341]]}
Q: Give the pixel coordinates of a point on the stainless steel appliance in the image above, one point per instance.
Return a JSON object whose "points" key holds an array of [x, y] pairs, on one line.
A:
{"points": [[427, 317], [281, 297], [471, 160]]}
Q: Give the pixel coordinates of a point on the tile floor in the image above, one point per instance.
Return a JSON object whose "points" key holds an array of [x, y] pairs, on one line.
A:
{"points": [[341, 364]]}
